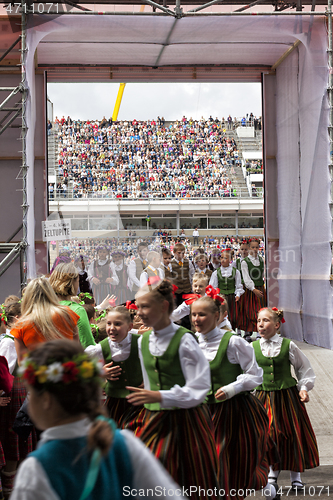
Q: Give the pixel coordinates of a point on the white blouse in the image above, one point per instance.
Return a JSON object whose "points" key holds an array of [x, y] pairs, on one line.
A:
{"points": [[248, 282], [239, 352], [193, 364], [120, 351], [7, 349], [226, 273], [32, 483], [303, 370]]}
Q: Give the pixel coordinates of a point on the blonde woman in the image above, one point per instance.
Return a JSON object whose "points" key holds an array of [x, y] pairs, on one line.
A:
{"points": [[65, 282], [43, 318]]}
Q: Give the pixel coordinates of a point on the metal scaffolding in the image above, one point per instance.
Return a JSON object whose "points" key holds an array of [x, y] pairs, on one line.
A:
{"points": [[15, 250]]}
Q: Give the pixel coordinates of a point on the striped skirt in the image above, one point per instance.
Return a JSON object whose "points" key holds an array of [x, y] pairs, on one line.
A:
{"points": [[291, 429], [183, 440], [242, 444], [253, 306], [233, 309], [126, 415], [13, 446], [242, 321]]}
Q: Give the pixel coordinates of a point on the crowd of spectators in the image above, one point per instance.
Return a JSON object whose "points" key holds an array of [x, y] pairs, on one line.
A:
{"points": [[143, 159], [88, 246]]}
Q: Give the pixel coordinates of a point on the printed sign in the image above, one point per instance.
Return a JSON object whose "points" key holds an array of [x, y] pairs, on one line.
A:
{"points": [[56, 230]]}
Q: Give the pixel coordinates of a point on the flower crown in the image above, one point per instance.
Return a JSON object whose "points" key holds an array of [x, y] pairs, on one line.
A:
{"points": [[80, 368]]}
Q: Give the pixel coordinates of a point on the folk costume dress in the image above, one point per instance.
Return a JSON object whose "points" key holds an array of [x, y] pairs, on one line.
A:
{"points": [[290, 425], [125, 355], [102, 270], [240, 422], [253, 272], [243, 303], [14, 447], [121, 289], [179, 429], [229, 281], [57, 470]]}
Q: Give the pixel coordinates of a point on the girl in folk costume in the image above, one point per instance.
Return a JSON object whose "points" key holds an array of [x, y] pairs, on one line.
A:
{"points": [[240, 420], [228, 279], [153, 268], [119, 269], [80, 454], [253, 271], [243, 304], [100, 274], [284, 398], [15, 448], [81, 263], [119, 351], [176, 426]]}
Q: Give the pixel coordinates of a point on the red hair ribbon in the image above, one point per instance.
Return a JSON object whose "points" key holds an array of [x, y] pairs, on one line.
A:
{"points": [[213, 293], [112, 302], [174, 288], [131, 306], [276, 310], [226, 250], [253, 239], [153, 280], [191, 297]]}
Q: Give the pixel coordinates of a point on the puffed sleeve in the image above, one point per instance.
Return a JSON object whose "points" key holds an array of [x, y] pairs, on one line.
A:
{"points": [[242, 353], [303, 369]]}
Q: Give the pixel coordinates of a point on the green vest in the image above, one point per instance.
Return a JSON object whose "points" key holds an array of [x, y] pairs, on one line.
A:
{"points": [[239, 267], [222, 371], [131, 369], [256, 273], [165, 371], [226, 285], [277, 374]]}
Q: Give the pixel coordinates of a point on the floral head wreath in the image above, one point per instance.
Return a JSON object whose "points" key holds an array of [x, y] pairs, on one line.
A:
{"points": [[214, 293], [80, 368], [3, 316]]}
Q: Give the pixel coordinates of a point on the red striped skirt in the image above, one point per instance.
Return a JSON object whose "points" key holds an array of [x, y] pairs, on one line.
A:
{"points": [[233, 309], [183, 440], [253, 306], [242, 444], [291, 429], [126, 415], [242, 311], [13, 446]]}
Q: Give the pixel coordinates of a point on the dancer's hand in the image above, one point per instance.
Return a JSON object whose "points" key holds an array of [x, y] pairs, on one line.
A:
{"points": [[96, 281], [304, 396], [142, 396], [258, 293], [112, 372], [4, 401], [220, 395]]}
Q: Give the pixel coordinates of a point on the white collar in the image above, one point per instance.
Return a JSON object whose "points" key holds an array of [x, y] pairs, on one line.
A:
{"points": [[253, 259], [66, 431], [223, 324], [275, 338], [172, 328], [212, 335], [102, 262], [127, 340]]}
